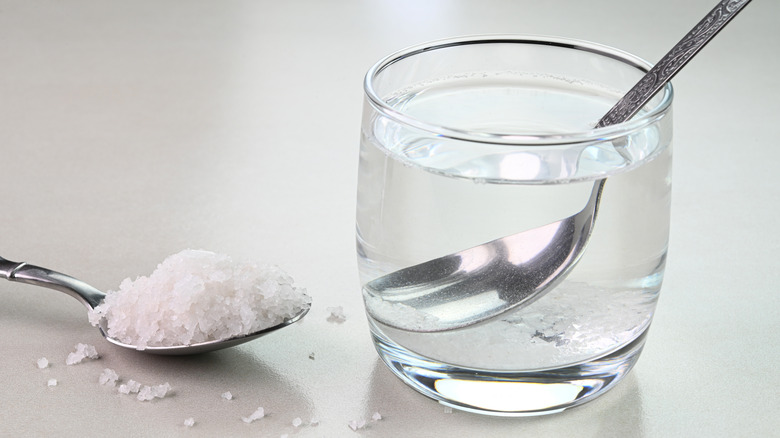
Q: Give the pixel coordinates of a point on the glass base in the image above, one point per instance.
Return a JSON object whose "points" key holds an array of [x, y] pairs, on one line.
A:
{"points": [[509, 393]]}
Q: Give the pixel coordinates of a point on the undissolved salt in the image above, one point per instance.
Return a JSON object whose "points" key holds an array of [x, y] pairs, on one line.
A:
{"points": [[198, 296]]}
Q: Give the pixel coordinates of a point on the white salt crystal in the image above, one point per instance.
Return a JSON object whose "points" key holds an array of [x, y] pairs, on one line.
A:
{"points": [[401, 314], [256, 415], [447, 410], [189, 422], [198, 296], [147, 393], [357, 424], [297, 422], [227, 395], [108, 377], [52, 382], [336, 314], [130, 386], [43, 363], [376, 417], [83, 351]]}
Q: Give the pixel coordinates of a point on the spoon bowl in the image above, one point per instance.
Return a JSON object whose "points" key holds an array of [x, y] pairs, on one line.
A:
{"points": [[89, 296]]}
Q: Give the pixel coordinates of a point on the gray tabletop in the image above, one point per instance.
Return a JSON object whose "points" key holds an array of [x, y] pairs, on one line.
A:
{"points": [[130, 130]]}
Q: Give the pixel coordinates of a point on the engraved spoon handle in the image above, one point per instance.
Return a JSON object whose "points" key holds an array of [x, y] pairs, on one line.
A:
{"points": [[672, 62]]}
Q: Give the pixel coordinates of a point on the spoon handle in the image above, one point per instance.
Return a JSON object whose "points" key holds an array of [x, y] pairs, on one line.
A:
{"points": [[672, 62], [37, 276]]}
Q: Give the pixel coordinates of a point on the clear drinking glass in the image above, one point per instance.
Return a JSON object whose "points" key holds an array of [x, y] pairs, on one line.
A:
{"points": [[471, 139]]}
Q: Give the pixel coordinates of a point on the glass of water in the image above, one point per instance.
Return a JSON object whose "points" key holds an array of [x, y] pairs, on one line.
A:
{"points": [[472, 139]]}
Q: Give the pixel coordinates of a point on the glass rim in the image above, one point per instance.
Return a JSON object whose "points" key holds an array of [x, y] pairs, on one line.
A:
{"points": [[606, 133]]}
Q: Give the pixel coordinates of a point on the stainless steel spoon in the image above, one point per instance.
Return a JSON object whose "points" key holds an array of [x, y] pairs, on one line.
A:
{"points": [[91, 297], [483, 282]]}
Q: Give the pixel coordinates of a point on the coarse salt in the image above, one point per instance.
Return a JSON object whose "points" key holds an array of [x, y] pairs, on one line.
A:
{"points": [[198, 296], [52, 382], [147, 393], [83, 351], [357, 424], [108, 377], [256, 415], [227, 395], [43, 363], [189, 422], [297, 422], [336, 314], [130, 387]]}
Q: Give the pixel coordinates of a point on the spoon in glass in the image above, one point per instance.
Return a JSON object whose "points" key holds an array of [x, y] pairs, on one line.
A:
{"points": [[483, 282], [91, 297]]}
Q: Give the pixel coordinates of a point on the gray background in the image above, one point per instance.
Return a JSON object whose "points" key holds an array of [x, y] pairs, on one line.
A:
{"points": [[130, 130]]}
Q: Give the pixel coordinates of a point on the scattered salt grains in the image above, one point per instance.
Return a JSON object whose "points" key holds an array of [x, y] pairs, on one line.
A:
{"points": [[52, 382], [108, 377], [130, 387], [336, 314], [357, 424], [147, 393], [227, 395], [197, 296], [83, 351], [256, 415], [189, 422], [43, 363], [297, 422]]}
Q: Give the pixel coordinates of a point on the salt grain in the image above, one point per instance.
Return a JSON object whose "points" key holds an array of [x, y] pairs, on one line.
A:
{"points": [[189, 422], [297, 422], [130, 387], [147, 393], [108, 377], [336, 314], [52, 382], [256, 415], [198, 296], [227, 395], [447, 410], [377, 416], [83, 351], [357, 424], [43, 363]]}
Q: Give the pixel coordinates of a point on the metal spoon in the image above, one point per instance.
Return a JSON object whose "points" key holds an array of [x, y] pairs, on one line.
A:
{"points": [[483, 282], [91, 297]]}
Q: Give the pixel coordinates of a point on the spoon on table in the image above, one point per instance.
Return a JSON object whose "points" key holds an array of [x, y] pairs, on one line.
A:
{"points": [[514, 271], [91, 297]]}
